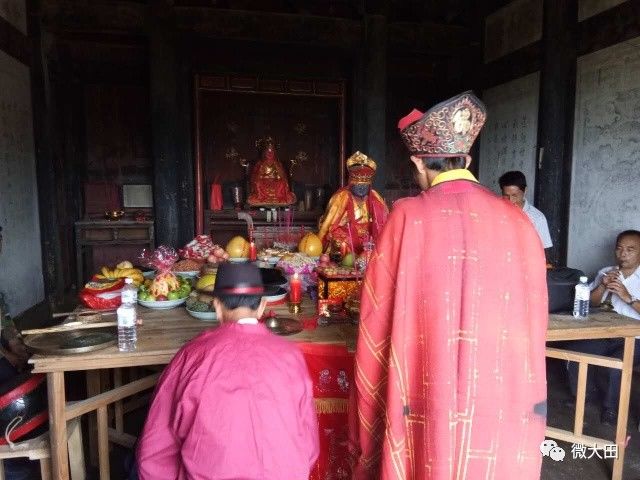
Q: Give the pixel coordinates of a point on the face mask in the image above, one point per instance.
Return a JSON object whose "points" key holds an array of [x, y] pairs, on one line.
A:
{"points": [[360, 189]]}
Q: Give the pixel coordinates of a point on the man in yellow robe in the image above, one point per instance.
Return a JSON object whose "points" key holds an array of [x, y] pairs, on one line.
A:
{"points": [[356, 213]]}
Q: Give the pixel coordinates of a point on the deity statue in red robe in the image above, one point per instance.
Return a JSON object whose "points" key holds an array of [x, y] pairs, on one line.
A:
{"points": [[268, 183], [356, 213]]}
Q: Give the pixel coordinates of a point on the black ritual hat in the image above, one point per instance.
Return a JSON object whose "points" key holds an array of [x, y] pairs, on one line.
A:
{"points": [[238, 279]]}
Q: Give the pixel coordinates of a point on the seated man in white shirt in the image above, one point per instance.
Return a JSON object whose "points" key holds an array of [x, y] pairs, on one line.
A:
{"points": [[514, 186], [619, 285]]}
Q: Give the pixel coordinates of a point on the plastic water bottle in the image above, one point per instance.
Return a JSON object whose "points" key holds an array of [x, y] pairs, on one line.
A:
{"points": [[127, 334], [581, 299]]}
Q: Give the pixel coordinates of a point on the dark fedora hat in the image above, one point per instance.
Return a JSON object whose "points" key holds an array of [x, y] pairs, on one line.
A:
{"points": [[238, 279]]}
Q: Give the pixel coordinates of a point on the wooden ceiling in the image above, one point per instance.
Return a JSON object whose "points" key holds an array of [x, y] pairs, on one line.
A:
{"points": [[440, 11]]}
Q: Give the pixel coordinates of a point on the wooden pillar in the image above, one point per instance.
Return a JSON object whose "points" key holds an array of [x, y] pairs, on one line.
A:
{"points": [[173, 177], [357, 100], [184, 139], [375, 99], [44, 134], [555, 120]]}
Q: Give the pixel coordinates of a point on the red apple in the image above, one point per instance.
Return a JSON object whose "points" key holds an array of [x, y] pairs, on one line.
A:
{"points": [[324, 259], [161, 298]]}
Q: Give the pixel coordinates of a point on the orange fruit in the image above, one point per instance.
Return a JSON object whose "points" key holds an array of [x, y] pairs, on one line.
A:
{"points": [[310, 245]]}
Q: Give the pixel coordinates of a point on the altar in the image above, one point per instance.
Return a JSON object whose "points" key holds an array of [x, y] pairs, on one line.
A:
{"points": [[234, 116], [164, 332], [223, 225]]}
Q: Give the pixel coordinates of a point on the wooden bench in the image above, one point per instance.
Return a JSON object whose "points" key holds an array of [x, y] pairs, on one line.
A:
{"points": [[39, 449]]}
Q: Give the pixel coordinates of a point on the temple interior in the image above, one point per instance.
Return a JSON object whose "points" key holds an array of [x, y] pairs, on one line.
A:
{"points": [[153, 137]]}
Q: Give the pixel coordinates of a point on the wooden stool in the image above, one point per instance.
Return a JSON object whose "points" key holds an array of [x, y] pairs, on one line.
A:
{"points": [[38, 449]]}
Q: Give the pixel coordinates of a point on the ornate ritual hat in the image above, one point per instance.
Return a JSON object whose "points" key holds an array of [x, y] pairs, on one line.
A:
{"points": [[238, 279], [361, 168], [445, 130]]}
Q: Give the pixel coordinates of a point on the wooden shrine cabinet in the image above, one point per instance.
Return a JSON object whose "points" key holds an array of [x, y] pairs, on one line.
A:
{"points": [[306, 119], [119, 239], [224, 225]]}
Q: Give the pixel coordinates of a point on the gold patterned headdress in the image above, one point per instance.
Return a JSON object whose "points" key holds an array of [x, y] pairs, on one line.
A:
{"points": [[445, 130], [361, 168]]}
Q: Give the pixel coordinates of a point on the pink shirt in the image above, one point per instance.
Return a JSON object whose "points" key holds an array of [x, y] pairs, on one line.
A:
{"points": [[234, 403]]}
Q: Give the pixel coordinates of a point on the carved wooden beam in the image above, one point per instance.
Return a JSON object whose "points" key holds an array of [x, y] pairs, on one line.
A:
{"points": [[68, 15], [428, 38], [514, 65], [14, 42], [271, 27], [607, 28], [130, 18]]}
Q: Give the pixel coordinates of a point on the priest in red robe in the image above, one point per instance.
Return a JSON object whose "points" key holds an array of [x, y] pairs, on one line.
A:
{"points": [[450, 361], [235, 402]]}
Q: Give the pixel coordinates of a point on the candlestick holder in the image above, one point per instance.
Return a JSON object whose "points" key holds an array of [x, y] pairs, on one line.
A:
{"points": [[294, 307]]}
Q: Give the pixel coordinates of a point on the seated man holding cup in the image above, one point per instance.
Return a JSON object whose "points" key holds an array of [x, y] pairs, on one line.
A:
{"points": [[618, 288]]}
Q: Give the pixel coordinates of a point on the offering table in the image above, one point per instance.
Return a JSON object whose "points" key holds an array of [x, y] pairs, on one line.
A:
{"points": [[162, 334], [599, 325]]}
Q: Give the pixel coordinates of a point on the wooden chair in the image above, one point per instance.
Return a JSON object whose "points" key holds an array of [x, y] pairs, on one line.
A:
{"points": [[38, 449]]}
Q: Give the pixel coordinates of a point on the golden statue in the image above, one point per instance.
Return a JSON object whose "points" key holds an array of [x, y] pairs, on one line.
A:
{"points": [[268, 184]]}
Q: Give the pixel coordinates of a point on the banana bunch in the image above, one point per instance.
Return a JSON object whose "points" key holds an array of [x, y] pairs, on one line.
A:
{"points": [[122, 271]]}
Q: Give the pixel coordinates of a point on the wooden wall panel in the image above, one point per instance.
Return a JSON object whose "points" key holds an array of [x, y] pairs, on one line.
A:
{"points": [[305, 128], [117, 132]]}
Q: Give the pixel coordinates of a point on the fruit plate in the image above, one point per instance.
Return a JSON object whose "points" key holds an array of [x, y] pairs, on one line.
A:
{"points": [[162, 304], [204, 316], [189, 274], [239, 260], [269, 260]]}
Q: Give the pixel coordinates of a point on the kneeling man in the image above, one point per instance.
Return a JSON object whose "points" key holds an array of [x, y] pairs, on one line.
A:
{"points": [[235, 402]]}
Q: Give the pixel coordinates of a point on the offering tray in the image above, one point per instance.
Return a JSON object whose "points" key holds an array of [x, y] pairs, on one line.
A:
{"points": [[283, 325], [68, 343]]}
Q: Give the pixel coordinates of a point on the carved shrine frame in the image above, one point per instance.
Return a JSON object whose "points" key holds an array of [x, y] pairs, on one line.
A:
{"points": [[253, 85]]}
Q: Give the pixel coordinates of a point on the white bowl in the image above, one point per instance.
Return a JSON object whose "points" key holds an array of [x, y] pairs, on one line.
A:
{"points": [[189, 274], [205, 316], [162, 304], [239, 260], [278, 296]]}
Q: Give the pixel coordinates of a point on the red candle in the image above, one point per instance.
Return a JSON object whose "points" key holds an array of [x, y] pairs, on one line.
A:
{"points": [[295, 289], [253, 253]]}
